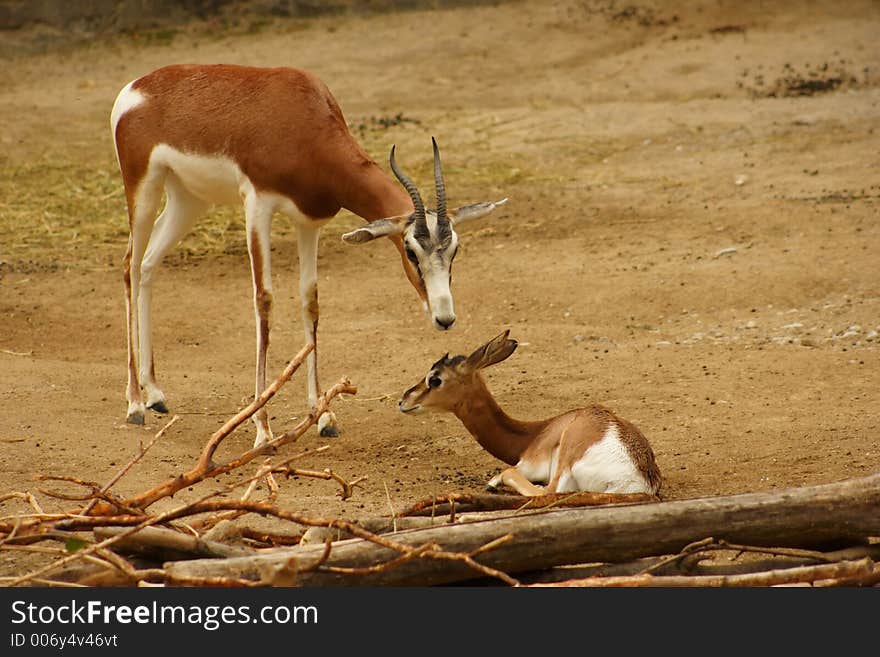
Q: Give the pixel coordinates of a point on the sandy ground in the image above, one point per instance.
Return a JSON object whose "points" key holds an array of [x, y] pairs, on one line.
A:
{"points": [[691, 238]]}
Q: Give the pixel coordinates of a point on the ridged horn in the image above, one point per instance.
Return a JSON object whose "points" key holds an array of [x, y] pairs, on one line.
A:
{"points": [[410, 187], [439, 185]]}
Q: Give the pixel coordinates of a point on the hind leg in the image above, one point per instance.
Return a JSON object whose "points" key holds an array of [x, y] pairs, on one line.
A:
{"points": [[142, 208], [177, 219]]}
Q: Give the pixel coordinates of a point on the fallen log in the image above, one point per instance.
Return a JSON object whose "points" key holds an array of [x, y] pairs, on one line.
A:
{"points": [[696, 564], [843, 571], [812, 517], [471, 502], [169, 545]]}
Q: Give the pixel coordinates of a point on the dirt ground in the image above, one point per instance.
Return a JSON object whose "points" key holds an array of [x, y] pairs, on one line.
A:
{"points": [[692, 239]]}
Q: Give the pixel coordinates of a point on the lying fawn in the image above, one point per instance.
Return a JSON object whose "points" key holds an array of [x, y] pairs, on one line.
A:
{"points": [[586, 449]]}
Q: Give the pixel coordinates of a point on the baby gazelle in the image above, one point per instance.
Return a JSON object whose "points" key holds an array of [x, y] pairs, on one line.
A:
{"points": [[586, 449]]}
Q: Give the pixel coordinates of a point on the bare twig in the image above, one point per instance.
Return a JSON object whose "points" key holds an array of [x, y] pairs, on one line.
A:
{"points": [[468, 502], [206, 468], [128, 466], [805, 574], [327, 473], [205, 460], [710, 544], [23, 495]]}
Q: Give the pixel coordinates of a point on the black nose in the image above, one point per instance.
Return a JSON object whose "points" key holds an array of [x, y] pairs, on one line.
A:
{"points": [[445, 323]]}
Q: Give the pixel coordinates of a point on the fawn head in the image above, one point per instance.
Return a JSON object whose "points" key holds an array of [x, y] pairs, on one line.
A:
{"points": [[450, 379]]}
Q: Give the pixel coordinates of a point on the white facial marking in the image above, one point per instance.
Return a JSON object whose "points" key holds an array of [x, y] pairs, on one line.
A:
{"points": [[439, 296], [434, 262], [607, 467]]}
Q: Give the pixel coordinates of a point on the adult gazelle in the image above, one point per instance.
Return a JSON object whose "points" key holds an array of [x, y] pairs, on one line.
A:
{"points": [[273, 140]]}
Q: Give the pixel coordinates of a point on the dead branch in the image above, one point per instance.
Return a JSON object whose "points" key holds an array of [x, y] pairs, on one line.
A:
{"points": [[327, 473], [206, 468], [695, 552], [168, 545], [470, 502], [206, 459], [27, 496], [387, 544], [270, 539], [804, 574], [128, 466], [808, 517]]}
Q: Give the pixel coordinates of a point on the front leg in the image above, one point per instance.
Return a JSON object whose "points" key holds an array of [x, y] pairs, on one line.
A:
{"points": [[258, 218], [515, 479], [307, 245]]}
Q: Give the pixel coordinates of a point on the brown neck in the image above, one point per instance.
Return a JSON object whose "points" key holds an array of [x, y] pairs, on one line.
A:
{"points": [[499, 434], [370, 193]]}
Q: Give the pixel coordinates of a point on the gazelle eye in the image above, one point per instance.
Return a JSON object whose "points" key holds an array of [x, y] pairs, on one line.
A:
{"points": [[411, 256], [434, 381]]}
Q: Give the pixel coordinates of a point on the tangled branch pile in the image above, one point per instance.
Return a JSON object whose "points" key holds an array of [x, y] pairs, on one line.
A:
{"points": [[820, 535]]}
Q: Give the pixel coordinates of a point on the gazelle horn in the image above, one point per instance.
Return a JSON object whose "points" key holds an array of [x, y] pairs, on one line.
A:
{"points": [[410, 187], [439, 185]]}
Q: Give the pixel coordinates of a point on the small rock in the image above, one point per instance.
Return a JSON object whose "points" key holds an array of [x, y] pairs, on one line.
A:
{"points": [[808, 342], [740, 180], [725, 251]]}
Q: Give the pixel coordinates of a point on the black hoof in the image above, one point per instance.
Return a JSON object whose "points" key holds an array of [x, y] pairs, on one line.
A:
{"points": [[329, 432], [159, 407], [135, 418]]}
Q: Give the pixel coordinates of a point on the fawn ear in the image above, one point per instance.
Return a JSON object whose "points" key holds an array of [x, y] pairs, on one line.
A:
{"points": [[494, 351]]}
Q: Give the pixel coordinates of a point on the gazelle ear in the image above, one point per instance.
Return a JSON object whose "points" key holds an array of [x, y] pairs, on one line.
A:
{"points": [[378, 228], [473, 211], [494, 351]]}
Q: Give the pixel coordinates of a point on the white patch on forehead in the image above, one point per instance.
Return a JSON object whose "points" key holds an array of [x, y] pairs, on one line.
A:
{"points": [[607, 467], [431, 222]]}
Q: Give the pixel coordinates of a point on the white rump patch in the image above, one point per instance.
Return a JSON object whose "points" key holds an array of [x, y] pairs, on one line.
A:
{"points": [[607, 467], [126, 100]]}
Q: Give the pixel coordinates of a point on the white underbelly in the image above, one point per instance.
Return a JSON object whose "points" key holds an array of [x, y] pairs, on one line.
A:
{"points": [[212, 178]]}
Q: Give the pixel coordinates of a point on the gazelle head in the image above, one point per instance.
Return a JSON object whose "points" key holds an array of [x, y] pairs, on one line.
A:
{"points": [[450, 379], [427, 239]]}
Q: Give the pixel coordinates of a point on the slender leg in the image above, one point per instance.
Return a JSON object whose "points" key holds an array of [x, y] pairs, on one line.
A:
{"points": [[142, 213], [135, 413], [180, 213], [516, 480], [258, 218], [307, 246]]}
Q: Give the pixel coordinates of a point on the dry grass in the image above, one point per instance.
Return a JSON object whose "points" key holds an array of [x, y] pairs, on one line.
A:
{"points": [[70, 206]]}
